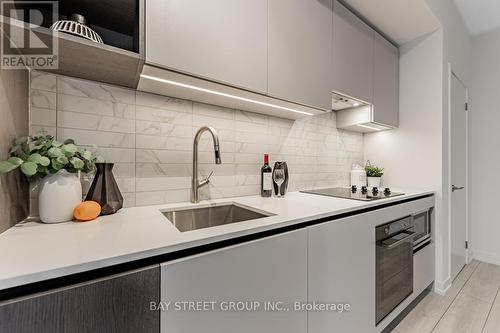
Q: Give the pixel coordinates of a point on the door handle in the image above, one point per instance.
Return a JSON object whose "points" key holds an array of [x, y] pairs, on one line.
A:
{"points": [[456, 188]]}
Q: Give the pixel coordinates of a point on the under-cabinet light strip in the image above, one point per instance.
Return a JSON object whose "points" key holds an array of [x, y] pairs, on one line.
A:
{"points": [[154, 78]]}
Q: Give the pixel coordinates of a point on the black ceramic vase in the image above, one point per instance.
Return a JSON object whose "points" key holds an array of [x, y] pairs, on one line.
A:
{"points": [[104, 189]]}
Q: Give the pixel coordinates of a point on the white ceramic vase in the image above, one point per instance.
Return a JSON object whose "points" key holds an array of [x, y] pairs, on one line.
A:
{"points": [[58, 196], [374, 182]]}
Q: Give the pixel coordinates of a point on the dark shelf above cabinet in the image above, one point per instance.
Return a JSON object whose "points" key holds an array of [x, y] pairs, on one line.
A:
{"points": [[118, 61], [85, 59], [117, 15], [116, 21], [88, 60]]}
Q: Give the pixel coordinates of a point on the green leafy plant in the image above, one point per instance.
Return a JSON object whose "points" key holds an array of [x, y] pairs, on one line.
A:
{"points": [[42, 155], [373, 171]]}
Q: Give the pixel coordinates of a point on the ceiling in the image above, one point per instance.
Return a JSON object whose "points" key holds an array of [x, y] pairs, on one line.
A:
{"points": [[479, 15], [400, 20]]}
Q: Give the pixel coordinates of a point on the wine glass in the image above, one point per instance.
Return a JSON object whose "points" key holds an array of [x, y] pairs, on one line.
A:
{"points": [[279, 178]]}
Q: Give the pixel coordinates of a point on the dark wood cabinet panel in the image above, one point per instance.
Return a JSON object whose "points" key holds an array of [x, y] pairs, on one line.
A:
{"points": [[38, 314], [116, 304]]}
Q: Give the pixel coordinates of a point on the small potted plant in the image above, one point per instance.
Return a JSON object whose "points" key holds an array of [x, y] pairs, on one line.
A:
{"points": [[57, 165], [373, 174]]}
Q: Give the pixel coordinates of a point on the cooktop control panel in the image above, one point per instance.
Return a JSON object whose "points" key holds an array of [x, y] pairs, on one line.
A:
{"points": [[354, 193]]}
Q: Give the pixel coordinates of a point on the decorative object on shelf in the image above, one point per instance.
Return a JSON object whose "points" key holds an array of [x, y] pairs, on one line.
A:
{"points": [[87, 211], [57, 165], [358, 176], [281, 186], [104, 190], [374, 174], [77, 26]]}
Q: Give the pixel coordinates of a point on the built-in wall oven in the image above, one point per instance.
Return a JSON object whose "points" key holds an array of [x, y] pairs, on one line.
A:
{"points": [[394, 265], [396, 243]]}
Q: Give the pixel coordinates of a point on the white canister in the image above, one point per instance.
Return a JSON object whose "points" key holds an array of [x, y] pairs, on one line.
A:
{"points": [[358, 176], [59, 194]]}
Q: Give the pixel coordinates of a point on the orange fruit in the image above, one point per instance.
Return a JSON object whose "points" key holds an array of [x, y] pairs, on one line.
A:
{"points": [[87, 211]]}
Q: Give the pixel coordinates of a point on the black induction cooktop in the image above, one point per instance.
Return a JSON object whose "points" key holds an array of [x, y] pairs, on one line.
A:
{"points": [[363, 194]]}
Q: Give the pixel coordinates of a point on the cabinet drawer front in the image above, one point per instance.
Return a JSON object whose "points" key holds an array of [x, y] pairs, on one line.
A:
{"points": [[269, 269], [423, 268]]}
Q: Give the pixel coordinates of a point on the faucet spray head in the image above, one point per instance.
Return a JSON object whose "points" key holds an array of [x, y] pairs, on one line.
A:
{"points": [[217, 154]]}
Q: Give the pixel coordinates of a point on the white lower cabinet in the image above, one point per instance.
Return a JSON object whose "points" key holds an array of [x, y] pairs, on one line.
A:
{"points": [[423, 268], [341, 262], [327, 265], [272, 269]]}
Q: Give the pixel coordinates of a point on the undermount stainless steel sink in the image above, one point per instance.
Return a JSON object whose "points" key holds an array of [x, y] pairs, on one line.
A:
{"points": [[186, 219]]}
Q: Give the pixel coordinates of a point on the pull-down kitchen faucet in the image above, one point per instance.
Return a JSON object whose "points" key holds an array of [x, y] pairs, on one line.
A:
{"points": [[195, 183]]}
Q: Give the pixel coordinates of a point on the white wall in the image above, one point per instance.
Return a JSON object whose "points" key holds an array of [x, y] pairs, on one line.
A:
{"points": [[417, 155], [411, 154], [456, 39], [484, 147], [456, 53]]}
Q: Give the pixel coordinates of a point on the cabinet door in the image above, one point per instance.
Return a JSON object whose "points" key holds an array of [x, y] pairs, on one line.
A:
{"points": [[117, 304], [300, 51], [342, 269], [222, 40], [352, 54], [423, 268], [270, 269], [386, 82]]}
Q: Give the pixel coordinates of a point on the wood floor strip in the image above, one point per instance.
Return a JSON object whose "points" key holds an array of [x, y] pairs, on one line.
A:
{"points": [[467, 314], [492, 324], [427, 314]]}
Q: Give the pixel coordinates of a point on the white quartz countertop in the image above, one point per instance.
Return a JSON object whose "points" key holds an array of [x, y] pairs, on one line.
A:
{"points": [[32, 252]]}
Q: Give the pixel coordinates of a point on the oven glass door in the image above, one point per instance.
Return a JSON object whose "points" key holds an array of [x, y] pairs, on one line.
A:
{"points": [[422, 227], [394, 272]]}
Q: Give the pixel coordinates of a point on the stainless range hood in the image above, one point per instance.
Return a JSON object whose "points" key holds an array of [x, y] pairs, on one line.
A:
{"points": [[355, 115]]}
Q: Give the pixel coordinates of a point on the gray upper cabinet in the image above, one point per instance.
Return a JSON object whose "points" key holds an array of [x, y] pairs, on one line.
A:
{"points": [[272, 51], [300, 51], [221, 40], [386, 82], [119, 303], [352, 54]]}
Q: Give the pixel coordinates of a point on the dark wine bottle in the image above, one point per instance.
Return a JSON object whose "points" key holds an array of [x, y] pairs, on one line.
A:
{"points": [[266, 178]]}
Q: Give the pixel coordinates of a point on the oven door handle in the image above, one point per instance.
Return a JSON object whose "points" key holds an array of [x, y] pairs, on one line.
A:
{"points": [[398, 242]]}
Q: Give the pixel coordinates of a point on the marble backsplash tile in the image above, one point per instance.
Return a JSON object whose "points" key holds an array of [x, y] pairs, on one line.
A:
{"points": [[150, 137]]}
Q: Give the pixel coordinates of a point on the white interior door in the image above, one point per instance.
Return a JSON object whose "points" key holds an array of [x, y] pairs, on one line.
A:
{"points": [[458, 120]]}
